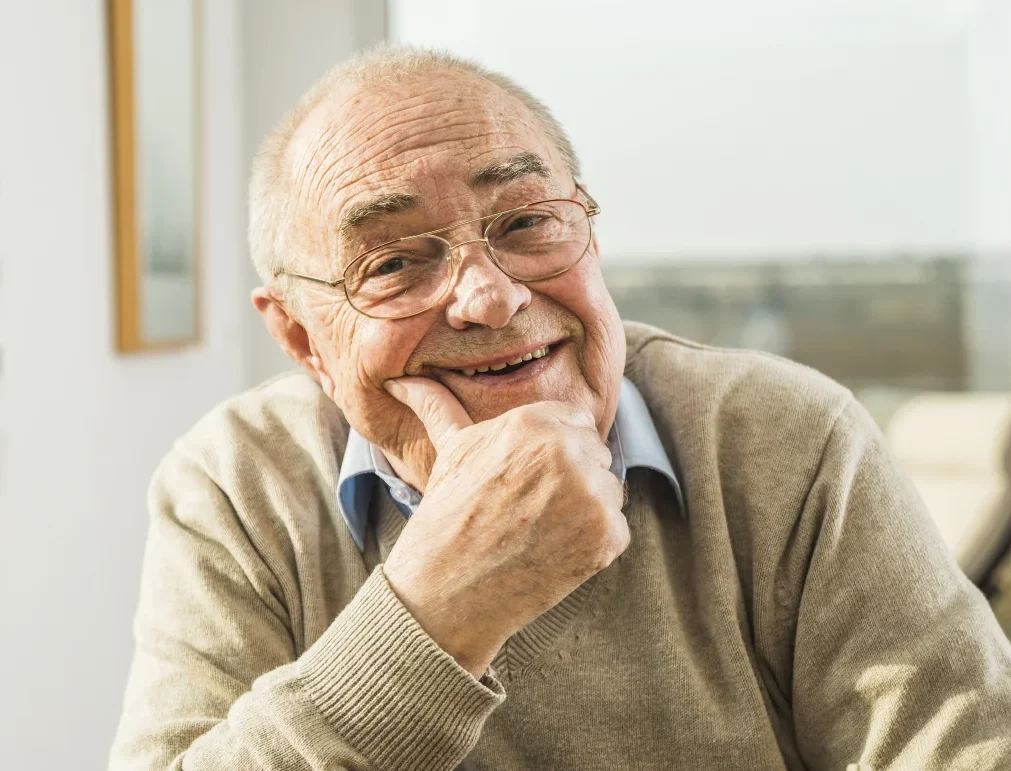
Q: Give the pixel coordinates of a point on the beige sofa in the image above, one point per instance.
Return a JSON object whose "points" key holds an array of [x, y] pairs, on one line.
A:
{"points": [[956, 447]]}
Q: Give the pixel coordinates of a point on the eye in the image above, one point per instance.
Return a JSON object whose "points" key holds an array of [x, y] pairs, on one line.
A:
{"points": [[522, 222], [392, 265]]}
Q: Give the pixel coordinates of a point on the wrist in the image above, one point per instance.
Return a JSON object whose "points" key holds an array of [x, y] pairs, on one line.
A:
{"points": [[473, 645], [473, 652]]}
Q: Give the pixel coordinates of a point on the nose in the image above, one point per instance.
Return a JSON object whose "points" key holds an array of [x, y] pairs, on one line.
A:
{"points": [[483, 294]]}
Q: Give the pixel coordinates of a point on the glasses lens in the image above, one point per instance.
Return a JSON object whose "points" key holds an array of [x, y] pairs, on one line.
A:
{"points": [[541, 240], [405, 277]]}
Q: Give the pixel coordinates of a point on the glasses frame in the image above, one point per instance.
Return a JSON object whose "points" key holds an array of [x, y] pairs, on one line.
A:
{"points": [[591, 208]]}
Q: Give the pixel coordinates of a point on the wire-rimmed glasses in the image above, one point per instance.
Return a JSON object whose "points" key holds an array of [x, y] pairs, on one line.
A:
{"points": [[409, 275]]}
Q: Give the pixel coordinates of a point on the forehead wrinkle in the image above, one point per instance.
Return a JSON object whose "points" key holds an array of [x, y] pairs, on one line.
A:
{"points": [[462, 131], [398, 138], [317, 159], [313, 162], [319, 136], [402, 113]]}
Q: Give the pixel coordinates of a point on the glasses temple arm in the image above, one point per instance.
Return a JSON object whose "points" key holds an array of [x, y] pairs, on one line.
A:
{"points": [[326, 282], [594, 207]]}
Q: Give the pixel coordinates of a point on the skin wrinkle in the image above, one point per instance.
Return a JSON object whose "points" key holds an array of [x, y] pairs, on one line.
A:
{"points": [[318, 183], [321, 181], [358, 136], [304, 163], [406, 118], [309, 163], [329, 134], [413, 97], [397, 146], [391, 102]]}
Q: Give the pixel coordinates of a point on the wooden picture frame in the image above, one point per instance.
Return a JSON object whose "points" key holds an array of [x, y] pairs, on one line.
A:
{"points": [[155, 97]]}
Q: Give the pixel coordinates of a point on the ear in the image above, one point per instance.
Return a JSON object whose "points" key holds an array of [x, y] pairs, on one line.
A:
{"points": [[283, 327]]}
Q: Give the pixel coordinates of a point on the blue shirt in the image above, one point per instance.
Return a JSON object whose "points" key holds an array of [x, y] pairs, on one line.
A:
{"points": [[633, 441]]}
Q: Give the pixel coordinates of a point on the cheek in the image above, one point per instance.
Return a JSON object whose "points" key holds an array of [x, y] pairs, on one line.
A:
{"points": [[381, 349], [601, 356], [375, 351], [364, 352], [583, 293]]}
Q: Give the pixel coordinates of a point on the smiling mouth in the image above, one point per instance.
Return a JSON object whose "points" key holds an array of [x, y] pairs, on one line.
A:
{"points": [[506, 367]]}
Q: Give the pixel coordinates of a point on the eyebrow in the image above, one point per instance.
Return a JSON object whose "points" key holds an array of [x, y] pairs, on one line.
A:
{"points": [[388, 203], [506, 171], [498, 173]]}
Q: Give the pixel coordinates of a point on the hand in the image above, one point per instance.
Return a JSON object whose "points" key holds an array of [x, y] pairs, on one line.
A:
{"points": [[518, 512]]}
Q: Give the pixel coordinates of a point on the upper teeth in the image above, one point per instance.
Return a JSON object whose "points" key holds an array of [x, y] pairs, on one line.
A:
{"points": [[518, 360]]}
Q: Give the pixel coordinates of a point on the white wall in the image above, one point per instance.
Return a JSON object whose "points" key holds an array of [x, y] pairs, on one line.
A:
{"points": [[990, 60], [738, 128], [287, 47], [83, 428]]}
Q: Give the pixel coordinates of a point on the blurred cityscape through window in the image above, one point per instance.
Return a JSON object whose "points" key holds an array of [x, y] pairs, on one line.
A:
{"points": [[885, 327]]}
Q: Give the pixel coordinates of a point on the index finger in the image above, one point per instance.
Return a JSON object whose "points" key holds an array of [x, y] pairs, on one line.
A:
{"points": [[435, 405]]}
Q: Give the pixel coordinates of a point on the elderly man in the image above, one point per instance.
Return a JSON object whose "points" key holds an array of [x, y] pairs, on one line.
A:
{"points": [[490, 525]]}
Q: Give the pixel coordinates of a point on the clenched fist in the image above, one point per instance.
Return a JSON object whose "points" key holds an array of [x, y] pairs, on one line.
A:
{"points": [[518, 512]]}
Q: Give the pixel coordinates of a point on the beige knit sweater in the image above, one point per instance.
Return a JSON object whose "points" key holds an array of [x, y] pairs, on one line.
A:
{"points": [[803, 615]]}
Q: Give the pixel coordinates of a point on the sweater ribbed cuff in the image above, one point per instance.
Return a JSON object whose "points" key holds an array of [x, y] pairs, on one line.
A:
{"points": [[388, 688]]}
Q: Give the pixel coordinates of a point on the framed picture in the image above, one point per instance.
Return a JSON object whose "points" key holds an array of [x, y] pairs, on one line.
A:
{"points": [[155, 79]]}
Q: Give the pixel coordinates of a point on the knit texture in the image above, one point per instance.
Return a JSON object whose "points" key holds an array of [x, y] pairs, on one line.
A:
{"points": [[805, 613]]}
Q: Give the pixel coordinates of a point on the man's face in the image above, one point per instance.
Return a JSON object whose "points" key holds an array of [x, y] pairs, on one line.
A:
{"points": [[425, 141]]}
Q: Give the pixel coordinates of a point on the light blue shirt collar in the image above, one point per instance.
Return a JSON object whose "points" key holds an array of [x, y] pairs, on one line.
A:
{"points": [[633, 441]]}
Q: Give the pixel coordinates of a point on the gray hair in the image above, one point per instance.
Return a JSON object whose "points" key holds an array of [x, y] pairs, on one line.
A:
{"points": [[269, 196]]}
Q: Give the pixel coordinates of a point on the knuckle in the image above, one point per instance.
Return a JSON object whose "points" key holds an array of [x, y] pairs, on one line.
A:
{"points": [[624, 536], [559, 452], [603, 558], [526, 418], [561, 409], [605, 456], [590, 439], [616, 492], [596, 525], [614, 544], [553, 406]]}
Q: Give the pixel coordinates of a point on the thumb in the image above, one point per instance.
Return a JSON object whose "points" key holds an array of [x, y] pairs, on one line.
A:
{"points": [[434, 404]]}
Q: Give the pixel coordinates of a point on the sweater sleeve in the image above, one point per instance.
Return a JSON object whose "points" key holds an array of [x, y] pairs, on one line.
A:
{"points": [[898, 661], [215, 681]]}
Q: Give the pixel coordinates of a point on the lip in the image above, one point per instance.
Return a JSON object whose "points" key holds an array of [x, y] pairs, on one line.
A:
{"points": [[504, 358], [533, 369]]}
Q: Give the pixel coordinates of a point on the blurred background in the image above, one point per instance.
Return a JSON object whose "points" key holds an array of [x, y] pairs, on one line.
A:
{"points": [[829, 181]]}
